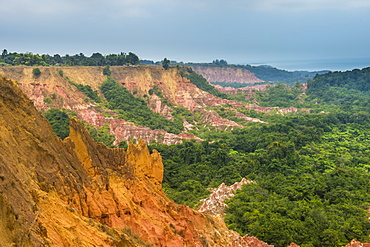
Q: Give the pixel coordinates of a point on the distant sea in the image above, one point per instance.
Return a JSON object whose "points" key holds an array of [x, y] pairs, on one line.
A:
{"points": [[342, 64]]}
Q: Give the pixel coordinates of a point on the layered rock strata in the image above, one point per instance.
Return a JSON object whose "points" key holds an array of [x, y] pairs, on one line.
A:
{"points": [[226, 74], [53, 88], [77, 192]]}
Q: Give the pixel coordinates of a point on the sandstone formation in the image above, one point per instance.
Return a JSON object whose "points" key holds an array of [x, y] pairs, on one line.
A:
{"points": [[249, 91], [355, 243], [54, 83], [77, 192], [226, 74], [214, 204]]}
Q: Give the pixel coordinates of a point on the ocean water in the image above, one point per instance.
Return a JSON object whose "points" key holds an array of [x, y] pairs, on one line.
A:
{"points": [[339, 64]]}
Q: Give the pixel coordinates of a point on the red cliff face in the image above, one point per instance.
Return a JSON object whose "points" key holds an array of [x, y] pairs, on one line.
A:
{"points": [[51, 89], [62, 94], [78, 192], [226, 74]]}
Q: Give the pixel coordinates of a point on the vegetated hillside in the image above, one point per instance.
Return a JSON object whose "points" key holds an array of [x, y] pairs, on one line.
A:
{"points": [[311, 171], [163, 106], [345, 90], [77, 192]]}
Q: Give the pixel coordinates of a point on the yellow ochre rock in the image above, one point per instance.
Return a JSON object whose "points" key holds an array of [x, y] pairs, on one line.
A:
{"points": [[77, 192]]}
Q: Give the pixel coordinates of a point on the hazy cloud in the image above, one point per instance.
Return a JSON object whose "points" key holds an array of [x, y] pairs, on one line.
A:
{"points": [[192, 30], [310, 4], [146, 8]]}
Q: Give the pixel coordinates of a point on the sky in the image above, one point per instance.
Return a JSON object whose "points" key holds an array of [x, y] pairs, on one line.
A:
{"points": [[287, 34]]}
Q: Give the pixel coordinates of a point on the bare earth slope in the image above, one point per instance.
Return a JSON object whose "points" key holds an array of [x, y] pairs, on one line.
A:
{"points": [[77, 192], [226, 74], [50, 84]]}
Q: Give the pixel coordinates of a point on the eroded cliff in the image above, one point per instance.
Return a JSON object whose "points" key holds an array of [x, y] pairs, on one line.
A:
{"points": [[78, 192], [54, 88], [226, 74]]}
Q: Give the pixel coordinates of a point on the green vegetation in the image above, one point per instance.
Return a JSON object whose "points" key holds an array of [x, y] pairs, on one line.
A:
{"points": [[348, 91], [166, 63], [87, 90], [237, 85], [96, 59], [201, 83], [134, 109], [36, 71], [281, 96], [59, 122], [106, 70], [101, 134], [47, 100], [312, 171]]}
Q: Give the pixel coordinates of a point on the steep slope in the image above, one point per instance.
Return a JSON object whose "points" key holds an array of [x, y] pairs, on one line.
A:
{"points": [[77, 192], [54, 88], [226, 74]]}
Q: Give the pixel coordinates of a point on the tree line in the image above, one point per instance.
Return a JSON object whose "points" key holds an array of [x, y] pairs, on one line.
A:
{"points": [[96, 59]]}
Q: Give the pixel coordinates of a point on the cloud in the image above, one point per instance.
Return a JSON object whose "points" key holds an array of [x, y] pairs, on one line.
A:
{"points": [[147, 8], [310, 4]]}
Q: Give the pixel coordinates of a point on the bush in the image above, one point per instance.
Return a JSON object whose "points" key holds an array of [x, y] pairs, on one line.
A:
{"points": [[36, 71], [106, 71], [47, 100], [59, 121]]}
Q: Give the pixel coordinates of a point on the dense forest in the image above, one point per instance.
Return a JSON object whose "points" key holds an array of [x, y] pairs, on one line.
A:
{"points": [[96, 59], [312, 170]]}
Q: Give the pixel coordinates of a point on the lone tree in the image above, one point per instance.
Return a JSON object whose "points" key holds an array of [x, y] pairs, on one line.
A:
{"points": [[36, 71], [166, 63], [4, 53], [106, 70]]}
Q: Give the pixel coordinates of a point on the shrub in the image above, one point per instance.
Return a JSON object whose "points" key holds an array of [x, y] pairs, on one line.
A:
{"points": [[36, 71]]}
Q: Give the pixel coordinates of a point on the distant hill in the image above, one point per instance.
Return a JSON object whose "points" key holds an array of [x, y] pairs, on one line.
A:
{"points": [[348, 90], [227, 74], [268, 73]]}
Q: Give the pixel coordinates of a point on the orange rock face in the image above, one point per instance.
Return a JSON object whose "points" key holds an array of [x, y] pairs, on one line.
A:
{"points": [[140, 79], [77, 192]]}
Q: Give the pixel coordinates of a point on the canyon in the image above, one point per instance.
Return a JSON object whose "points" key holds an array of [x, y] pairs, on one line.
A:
{"points": [[54, 88], [77, 192]]}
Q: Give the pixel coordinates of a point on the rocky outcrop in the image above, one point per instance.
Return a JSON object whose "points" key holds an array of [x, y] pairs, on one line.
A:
{"points": [[355, 243], [243, 90], [226, 74], [63, 95], [77, 192], [214, 204], [53, 88]]}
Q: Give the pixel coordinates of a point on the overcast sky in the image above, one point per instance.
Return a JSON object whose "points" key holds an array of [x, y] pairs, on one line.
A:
{"points": [[289, 34]]}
